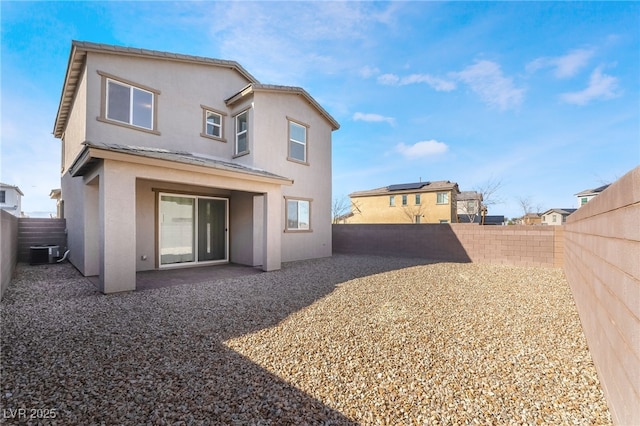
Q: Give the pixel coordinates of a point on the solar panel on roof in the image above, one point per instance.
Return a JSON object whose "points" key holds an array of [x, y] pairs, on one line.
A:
{"points": [[407, 186]]}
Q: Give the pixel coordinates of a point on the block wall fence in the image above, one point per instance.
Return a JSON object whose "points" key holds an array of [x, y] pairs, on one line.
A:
{"points": [[602, 266], [455, 242], [598, 248]]}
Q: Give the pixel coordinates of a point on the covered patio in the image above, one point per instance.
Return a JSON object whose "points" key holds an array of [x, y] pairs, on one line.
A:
{"points": [[127, 227]]}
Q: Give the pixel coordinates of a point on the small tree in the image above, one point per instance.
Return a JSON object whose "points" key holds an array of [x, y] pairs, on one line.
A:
{"points": [[528, 209], [470, 207], [343, 208], [414, 212], [489, 192]]}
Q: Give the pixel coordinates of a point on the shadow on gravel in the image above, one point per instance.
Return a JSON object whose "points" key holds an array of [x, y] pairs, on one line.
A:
{"points": [[157, 356]]}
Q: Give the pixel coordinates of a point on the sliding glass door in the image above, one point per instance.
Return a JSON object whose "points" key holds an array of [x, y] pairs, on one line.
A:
{"points": [[192, 229]]}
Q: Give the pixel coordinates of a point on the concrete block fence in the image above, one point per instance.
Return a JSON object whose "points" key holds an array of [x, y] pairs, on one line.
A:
{"points": [[602, 265], [456, 242], [598, 248]]}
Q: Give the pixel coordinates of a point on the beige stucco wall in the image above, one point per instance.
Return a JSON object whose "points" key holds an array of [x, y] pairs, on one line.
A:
{"points": [[311, 181], [183, 87], [376, 209], [547, 219], [602, 252], [75, 132]]}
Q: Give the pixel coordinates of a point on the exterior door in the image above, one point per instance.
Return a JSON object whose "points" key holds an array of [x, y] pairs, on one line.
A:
{"points": [[192, 230]]}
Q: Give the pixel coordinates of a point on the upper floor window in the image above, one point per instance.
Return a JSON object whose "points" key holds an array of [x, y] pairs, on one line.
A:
{"points": [[392, 200], [404, 200], [212, 123], [583, 201], [443, 198], [298, 215], [242, 133], [3, 196], [417, 201], [297, 142], [128, 104]]}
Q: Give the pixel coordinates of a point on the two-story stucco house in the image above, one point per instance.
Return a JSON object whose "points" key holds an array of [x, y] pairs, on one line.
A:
{"points": [[419, 202], [469, 207], [170, 160], [588, 194], [11, 199], [555, 217]]}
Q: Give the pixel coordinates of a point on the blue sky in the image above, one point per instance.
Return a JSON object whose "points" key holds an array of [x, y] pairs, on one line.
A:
{"points": [[543, 97]]}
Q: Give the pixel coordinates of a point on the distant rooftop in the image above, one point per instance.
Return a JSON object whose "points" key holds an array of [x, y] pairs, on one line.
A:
{"points": [[592, 191], [440, 185], [561, 211]]}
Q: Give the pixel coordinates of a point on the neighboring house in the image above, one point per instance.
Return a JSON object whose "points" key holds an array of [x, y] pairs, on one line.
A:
{"points": [[530, 219], [56, 194], [556, 216], [420, 202], [588, 194], [11, 199], [469, 207], [172, 160]]}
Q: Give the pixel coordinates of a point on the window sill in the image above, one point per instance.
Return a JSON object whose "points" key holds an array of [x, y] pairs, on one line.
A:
{"points": [[298, 231], [215, 138], [128, 126], [241, 154], [295, 160]]}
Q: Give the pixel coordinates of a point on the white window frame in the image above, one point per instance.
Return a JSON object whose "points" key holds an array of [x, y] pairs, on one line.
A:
{"points": [[205, 112], [299, 202], [239, 133], [304, 143], [442, 198], [418, 199], [405, 199], [392, 200]]}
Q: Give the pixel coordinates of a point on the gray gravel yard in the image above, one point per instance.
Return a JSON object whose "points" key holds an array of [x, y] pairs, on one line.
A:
{"points": [[344, 340]]}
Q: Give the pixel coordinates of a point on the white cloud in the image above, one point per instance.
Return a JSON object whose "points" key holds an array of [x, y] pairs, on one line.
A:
{"points": [[422, 149], [367, 71], [601, 87], [373, 118], [485, 78], [283, 44], [389, 79], [436, 83], [564, 66]]}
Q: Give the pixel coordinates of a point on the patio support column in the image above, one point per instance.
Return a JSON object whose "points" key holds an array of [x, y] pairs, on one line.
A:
{"points": [[272, 237], [117, 228]]}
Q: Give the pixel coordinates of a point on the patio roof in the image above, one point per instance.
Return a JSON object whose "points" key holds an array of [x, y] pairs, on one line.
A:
{"points": [[94, 152]]}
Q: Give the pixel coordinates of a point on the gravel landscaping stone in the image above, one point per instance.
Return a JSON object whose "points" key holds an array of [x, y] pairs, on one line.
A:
{"points": [[344, 340]]}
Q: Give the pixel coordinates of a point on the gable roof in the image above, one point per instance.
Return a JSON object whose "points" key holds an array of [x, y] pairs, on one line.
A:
{"points": [[564, 212], [79, 50], [594, 191], [469, 195], [405, 188], [4, 185], [258, 87]]}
